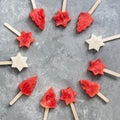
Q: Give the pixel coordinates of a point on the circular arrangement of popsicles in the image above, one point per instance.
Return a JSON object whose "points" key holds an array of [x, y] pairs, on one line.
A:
{"points": [[97, 67]]}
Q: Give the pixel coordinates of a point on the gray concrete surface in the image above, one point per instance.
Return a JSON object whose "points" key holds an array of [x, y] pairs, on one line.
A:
{"points": [[60, 58]]}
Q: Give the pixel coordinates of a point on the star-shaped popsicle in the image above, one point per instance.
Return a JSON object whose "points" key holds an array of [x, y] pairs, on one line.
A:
{"points": [[38, 16], [18, 62], [48, 101], [24, 38], [96, 42], [85, 19], [92, 89], [62, 18], [26, 88], [68, 95], [98, 68]]}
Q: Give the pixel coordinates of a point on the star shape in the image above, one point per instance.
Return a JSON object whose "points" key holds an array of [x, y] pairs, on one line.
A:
{"points": [[25, 39], [62, 18], [68, 95], [19, 62], [97, 67], [95, 42]]}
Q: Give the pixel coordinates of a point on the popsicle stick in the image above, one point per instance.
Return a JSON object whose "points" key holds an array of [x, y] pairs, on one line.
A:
{"points": [[16, 98], [112, 73], [12, 29], [5, 62], [74, 111], [46, 113], [33, 4], [103, 97], [111, 38], [64, 5], [94, 6]]}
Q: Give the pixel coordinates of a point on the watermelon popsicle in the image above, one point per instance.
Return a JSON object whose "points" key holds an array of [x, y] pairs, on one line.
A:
{"points": [[48, 101], [98, 68], [96, 42], [68, 95], [62, 18], [92, 89], [24, 38], [37, 16], [26, 88], [18, 62], [85, 19]]}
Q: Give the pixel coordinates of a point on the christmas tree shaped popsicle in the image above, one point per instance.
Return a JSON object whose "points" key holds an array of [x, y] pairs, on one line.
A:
{"points": [[62, 17], [92, 89], [68, 95], [98, 68], [24, 38], [18, 62], [26, 88], [48, 101], [95, 42], [85, 19], [37, 16]]}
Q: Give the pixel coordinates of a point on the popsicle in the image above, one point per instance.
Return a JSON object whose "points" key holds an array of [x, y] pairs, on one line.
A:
{"points": [[85, 19], [18, 62], [37, 16], [92, 89], [96, 42], [48, 101], [24, 38], [68, 95], [62, 17], [99, 68], [26, 88]]}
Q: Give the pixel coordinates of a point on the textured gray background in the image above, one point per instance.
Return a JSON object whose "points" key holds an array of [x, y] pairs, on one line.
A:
{"points": [[60, 58]]}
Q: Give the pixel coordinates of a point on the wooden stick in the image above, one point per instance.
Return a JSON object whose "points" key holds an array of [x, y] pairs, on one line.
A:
{"points": [[33, 4], [12, 29], [46, 113], [16, 98], [94, 6], [111, 38], [112, 73], [74, 111], [103, 97], [64, 5], [5, 62]]}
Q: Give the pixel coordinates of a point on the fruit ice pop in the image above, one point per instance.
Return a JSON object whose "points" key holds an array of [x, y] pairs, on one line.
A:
{"points": [[38, 16], [18, 62], [62, 17], [24, 38], [92, 89], [26, 87], [48, 101], [68, 95], [85, 19], [98, 68]]}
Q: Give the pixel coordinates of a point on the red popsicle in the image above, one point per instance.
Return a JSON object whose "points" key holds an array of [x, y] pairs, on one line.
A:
{"points": [[26, 88], [24, 38], [85, 19], [98, 68], [62, 17], [68, 95], [48, 101], [38, 16], [92, 89]]}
